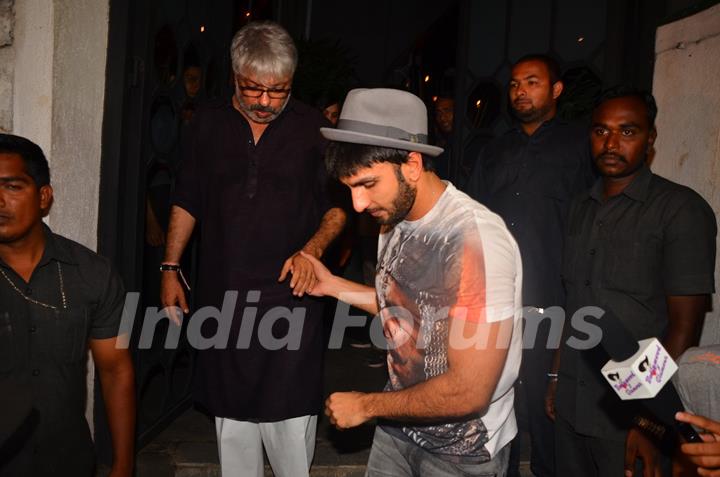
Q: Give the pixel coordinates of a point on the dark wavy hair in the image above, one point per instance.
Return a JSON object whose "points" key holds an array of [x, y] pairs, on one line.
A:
{"points": [[625, 91], [36, 165], [344, 159]]}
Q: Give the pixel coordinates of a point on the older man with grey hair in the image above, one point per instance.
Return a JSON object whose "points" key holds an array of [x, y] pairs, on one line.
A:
{"points": [[253, 183]]}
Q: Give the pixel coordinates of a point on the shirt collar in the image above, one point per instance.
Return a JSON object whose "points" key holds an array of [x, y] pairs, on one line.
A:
{"points": [[596, 191], [437, 208], [55, 249], [636, 190], [549, 124]]}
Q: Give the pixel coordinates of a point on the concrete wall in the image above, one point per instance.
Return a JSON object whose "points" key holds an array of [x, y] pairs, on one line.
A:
{"points": [[32, 92], [7, 54], [78, 94], [686, 86], [59, 83], [57, 64]]}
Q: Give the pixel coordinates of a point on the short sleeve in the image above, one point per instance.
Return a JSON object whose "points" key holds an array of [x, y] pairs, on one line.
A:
{"points": [[105, 319], [689, 249], [488, 275]]}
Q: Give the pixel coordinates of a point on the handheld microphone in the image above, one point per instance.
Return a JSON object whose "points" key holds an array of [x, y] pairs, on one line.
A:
{"points": [[642, 370], [643, 374]]}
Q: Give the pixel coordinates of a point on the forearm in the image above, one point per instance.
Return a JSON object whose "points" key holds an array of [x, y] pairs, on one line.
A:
{"points": [[677, 343], [150, 211], [555, 365], [685, 316], [330, 227], [118, 388], [466, 388], [354, 294], [441, 397], [179, 232], [557, 354]]}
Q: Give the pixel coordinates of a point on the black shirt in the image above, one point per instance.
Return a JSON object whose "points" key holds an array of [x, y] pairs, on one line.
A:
{"points": [[627, 254], [256, 204], [529, 181], [45, 350]]}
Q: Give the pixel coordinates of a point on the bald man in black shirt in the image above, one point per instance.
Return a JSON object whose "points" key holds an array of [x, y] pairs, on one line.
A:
{"points": [[528, 176]]}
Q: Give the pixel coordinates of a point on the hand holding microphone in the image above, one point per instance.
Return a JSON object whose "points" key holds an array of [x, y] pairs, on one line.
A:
{"points": [[707, 455], [642, 370]]}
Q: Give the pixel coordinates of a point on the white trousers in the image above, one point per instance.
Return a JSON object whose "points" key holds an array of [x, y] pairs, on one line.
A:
{"points": [[289, 444]]}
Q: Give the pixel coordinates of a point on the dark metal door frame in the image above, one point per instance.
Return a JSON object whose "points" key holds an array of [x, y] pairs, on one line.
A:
{"points": [[121, 189]]}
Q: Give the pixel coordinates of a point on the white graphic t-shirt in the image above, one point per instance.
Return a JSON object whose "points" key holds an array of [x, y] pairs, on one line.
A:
{"points": [[458, 261]]}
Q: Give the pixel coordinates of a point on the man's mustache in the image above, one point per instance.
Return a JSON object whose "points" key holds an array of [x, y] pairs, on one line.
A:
{"points": [[608, 155], [264, 109]]}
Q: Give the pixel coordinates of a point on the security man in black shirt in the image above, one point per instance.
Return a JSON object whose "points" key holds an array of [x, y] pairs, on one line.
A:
{"points": [[642, 247], [528, 176], [57, 299]]}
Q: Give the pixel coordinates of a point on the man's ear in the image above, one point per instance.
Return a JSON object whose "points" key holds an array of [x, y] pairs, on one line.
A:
{"points": [[46, 199], [413, 168], [557, 89], [651, 137]]}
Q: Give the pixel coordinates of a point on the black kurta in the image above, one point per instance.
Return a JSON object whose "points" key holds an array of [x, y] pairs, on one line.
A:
{"points": [[256, 205]]}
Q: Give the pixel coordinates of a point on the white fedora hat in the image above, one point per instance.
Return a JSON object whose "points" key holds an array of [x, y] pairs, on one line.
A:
{"points": [[383, 117]]}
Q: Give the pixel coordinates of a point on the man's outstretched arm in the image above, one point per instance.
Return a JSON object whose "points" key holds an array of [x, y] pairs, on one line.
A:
{"points": [[303, 278], [330, 227], [326, 284]]}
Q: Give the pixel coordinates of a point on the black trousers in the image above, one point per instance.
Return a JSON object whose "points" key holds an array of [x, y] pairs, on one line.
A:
{"points": [[579, 455], [530, 407]]}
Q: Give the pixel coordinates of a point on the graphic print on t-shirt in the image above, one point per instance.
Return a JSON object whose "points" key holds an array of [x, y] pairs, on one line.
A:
{"points": [[457, 262], [420, 270]]}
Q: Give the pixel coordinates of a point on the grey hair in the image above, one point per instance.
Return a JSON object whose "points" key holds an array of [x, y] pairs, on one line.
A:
{"points": [[263, 49]]}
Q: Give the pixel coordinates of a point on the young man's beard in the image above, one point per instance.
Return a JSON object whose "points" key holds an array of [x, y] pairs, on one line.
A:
{"points": [[403, 202]]}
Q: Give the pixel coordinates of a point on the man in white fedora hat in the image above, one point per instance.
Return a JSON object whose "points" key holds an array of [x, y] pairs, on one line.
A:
{"points": [[448, 290]]}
